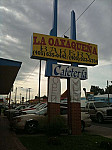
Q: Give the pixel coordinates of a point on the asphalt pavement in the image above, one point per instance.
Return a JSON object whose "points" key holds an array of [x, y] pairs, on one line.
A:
{"points": [[107, 124], [100, 129]]}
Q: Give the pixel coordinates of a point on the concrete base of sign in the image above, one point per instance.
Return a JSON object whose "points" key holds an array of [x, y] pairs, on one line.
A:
{"points": [[75, 118]]}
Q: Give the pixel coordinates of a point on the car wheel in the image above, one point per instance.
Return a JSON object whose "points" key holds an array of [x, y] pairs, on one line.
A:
{"points": [[82, 126], [99, 118], [31, 127]]}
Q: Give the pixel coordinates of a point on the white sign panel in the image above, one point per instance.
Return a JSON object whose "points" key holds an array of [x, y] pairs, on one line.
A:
{"points": [[69, 71], [54, 90], [75, 90]]}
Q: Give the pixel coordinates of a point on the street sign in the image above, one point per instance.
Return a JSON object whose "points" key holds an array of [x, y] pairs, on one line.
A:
{"points": [[65, 71]]}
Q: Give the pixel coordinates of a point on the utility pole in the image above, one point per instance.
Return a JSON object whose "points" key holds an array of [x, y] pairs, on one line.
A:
{"points": [[20, 98], [29, 93], [15, 95], [26, 95], [39, 79], [9, 99], [108, 90]]}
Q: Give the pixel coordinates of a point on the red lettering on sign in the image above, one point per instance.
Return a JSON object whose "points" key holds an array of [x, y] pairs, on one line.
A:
{"points": [[62, 42], [35, 41], [73, 45], [43, 41], [68, 44], [94, 51], [89, 48], [51, 41], [78, 46], [56, 43], [84, 47]]}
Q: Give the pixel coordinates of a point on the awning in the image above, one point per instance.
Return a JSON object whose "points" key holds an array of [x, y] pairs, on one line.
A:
{"points": [[8, 72]]}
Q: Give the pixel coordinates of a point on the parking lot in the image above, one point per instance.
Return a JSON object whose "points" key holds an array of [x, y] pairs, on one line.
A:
{"points": [[107, 124], [104, 129]]}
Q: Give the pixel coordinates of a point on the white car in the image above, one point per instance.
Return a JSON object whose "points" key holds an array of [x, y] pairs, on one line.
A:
{"points": [[31, 122], [10, 113], [38, 107]]}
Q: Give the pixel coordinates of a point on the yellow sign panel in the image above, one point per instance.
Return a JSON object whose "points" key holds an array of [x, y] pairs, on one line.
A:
{"points": [[63, 50]]}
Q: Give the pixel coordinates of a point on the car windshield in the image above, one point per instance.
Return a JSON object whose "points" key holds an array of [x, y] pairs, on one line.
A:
{"points": [[101, 104]]}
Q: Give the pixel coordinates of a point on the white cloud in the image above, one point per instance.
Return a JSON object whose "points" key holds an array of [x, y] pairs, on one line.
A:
{"points": [[19, 19]]}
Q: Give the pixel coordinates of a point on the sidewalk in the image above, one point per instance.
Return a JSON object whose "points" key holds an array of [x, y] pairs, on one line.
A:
{"points": [[8, 139]]}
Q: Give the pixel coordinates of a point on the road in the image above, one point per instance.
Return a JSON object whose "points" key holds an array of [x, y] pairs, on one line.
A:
{"points": [[104, 129], [107, 124]]}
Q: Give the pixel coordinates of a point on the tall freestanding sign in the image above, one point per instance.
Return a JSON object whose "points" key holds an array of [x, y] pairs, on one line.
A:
{"points": [[55, 49]]}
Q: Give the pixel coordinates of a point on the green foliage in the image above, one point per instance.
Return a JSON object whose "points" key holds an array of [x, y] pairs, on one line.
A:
{"points": [[54, 141], [84, 142], [101, 91], [55, 126], [97, 90], [108, 90]]}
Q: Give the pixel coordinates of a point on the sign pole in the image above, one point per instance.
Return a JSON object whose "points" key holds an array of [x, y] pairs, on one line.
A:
{"points": [[71, 106], [53, 106], [39, 79]]}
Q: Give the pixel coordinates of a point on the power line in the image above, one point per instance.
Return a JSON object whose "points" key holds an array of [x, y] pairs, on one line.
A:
{"points": [[80, 16], [85, 10], [31, 72]]}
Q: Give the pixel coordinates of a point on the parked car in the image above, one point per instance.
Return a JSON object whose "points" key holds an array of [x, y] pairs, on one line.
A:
{"points": [[14, 112], [31, 107], [38, 107], [31, 122], [5, 110], [99, 111], [111, 105]]}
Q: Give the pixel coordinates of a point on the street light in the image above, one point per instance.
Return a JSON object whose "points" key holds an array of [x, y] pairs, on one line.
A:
{"points": [[16, 94], [108, 90], [20, 95]]}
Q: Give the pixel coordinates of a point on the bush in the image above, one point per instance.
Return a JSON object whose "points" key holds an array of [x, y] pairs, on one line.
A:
{"points": [[54, 141], [55, 126]]}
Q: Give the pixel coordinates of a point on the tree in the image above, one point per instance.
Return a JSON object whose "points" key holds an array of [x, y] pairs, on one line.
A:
{"points": [[109, 88], [97, 90]]}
